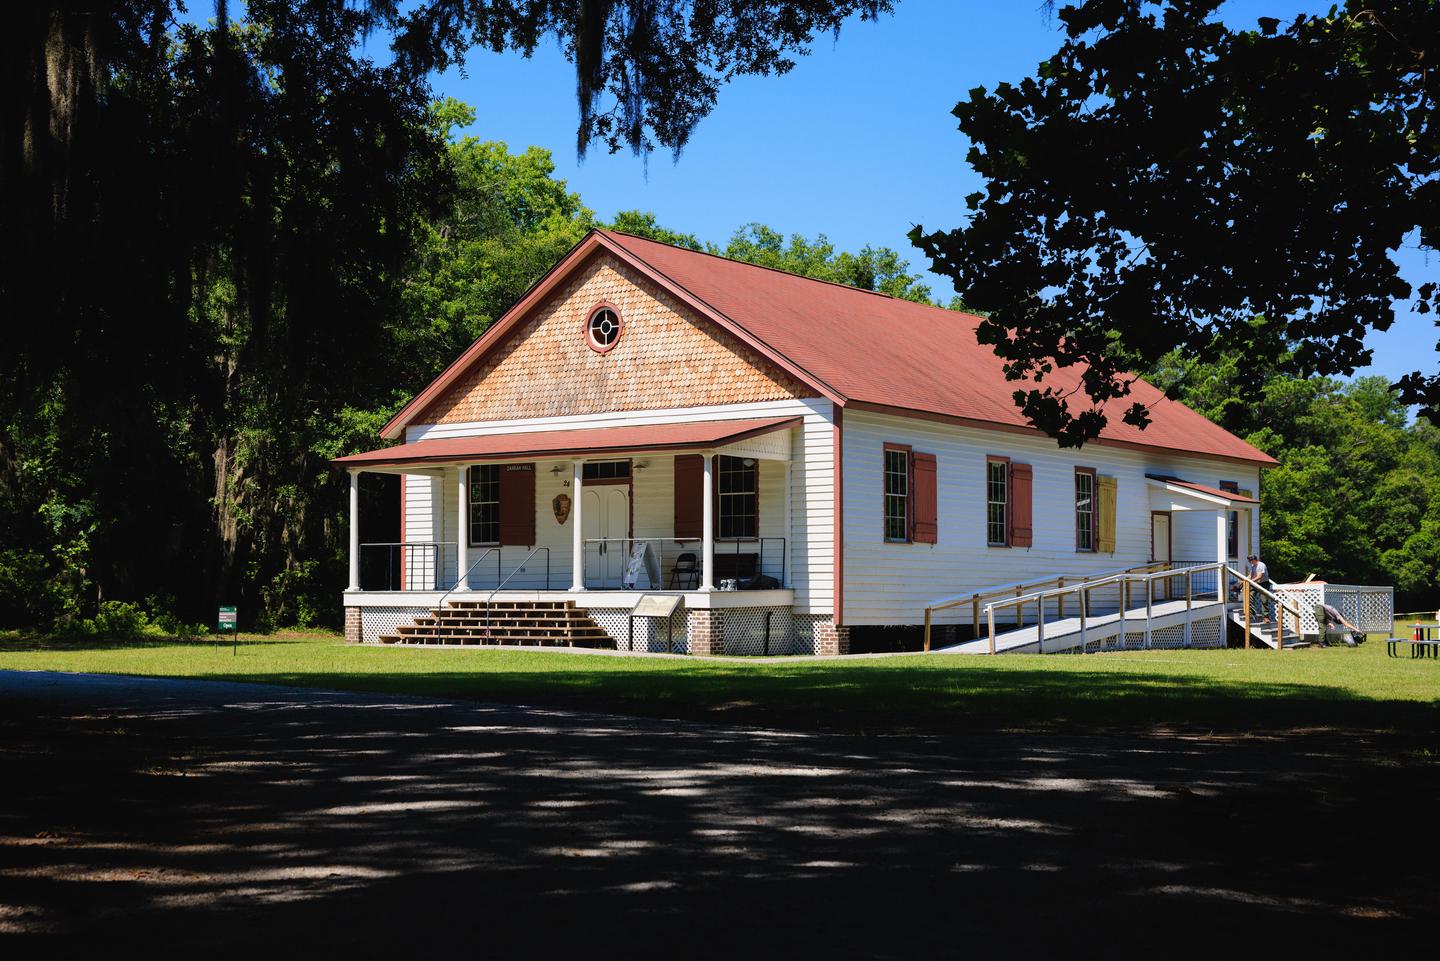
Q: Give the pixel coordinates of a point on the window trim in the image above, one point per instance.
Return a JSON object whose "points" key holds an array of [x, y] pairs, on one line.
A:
{"points": [[590, 315], [1009, 494], [1094, 548], [470, 503], [756, 468], [885, 495], [603, 481], [1232, 536]]}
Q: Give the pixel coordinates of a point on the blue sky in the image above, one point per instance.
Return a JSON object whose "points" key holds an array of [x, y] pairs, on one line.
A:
{"points": [[857, 142]]}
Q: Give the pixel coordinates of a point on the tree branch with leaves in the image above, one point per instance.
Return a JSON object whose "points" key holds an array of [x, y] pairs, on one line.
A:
{"points": [[1165, 182]]}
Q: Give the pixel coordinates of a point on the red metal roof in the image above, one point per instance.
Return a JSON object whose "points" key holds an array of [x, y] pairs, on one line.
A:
{"points": [[877, 350], [558, 443], [858, 348]]}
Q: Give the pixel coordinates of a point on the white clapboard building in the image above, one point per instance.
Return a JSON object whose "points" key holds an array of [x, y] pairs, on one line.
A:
{"points": [[798, 462]]}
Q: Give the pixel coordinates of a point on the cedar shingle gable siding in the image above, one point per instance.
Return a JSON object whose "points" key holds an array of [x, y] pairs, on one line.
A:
{"points": [[665, 357]]}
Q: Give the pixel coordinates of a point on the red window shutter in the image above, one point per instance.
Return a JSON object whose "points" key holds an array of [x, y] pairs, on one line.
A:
{"points": [[689, 496], [1021, 534], [927, 501], [517, 504]]}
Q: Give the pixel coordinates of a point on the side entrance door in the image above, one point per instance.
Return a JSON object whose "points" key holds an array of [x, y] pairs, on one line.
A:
{"points": [[1160, 547], [607, 523]]}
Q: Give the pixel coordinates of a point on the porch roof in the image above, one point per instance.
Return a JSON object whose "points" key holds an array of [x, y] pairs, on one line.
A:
{"points": [[1220, 497], [606, 441]]}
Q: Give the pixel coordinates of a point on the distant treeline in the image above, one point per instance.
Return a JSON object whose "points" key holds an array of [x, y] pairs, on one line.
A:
{"points": [[218, 281]]}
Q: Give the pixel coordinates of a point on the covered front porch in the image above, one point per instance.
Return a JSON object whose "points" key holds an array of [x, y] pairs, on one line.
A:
{"points": [[596, 519]]}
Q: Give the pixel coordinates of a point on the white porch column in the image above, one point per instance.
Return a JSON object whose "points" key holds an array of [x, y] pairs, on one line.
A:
{"points": [[462, 530], [577, 528], [707, 526], [354, 531], [789, 528], [1222, 536]]}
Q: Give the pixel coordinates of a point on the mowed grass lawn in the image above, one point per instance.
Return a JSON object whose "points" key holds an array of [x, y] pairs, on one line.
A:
{"points": [[1255, 692]]}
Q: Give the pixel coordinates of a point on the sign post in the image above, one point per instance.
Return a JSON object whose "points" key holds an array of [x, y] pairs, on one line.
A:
{"points": [[652, 606], [227, 622]]}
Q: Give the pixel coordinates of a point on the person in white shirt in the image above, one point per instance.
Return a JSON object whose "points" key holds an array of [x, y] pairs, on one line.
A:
{"points": [[1260, 574]]}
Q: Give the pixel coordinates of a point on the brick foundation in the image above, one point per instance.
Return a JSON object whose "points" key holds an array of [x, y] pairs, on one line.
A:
{"points": [[707, 632], [831, 638], [352, 625]]}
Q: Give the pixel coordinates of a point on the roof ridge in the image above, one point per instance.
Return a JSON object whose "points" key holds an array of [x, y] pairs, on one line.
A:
{"points": [[773, 270]]}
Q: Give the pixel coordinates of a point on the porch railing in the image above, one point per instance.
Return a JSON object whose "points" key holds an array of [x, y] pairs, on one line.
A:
{"points": [[403, 565], [770, 553]]}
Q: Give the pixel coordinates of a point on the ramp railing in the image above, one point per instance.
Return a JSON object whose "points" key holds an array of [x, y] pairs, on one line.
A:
{"points": [[1025, 589], [1126, 582]]}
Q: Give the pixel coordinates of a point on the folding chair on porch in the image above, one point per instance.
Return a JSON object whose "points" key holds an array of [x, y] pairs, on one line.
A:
{"points": [[685, 575]]}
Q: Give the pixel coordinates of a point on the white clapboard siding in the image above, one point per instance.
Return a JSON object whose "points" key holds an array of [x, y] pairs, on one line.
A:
{"points": [[809, 536], [887, 583]]}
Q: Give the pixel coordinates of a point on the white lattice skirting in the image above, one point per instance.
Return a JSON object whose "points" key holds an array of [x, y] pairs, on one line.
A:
{"points": [[747, 631], [375, 621]]}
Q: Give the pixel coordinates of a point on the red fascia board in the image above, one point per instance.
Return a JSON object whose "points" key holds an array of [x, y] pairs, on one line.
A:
{"points": [[569, 443], [1264, 460]]}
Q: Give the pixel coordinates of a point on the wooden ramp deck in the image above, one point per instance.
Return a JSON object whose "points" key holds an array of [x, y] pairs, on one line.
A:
{"points": [[1064, 634]]}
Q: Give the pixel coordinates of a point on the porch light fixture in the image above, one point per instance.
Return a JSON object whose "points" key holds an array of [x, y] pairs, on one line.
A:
{"points": [[559, 468]]}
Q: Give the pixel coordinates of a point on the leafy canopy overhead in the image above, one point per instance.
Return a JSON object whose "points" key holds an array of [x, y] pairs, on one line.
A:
{"points": [[647, 71], [1166, 182]]}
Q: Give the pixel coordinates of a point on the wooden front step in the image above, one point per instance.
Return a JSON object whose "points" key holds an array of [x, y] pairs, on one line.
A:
{"points": [[504, 623]]}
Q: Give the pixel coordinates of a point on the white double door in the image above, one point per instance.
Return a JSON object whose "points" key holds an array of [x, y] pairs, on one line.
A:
{"points": [[606, 513]]}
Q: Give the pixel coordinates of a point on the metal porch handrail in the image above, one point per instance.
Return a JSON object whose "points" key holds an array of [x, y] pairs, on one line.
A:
{"points": [[401, 554], [490, 600], [465, 578]]}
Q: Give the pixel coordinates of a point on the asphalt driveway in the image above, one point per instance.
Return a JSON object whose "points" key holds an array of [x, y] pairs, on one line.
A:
{"points": [[243, 819]]}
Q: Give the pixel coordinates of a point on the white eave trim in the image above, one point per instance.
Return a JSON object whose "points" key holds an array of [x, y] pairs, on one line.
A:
{"points": [[1210, 500]]}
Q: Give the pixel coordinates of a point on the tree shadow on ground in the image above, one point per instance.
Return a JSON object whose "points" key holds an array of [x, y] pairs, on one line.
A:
{"points": [[244, 819], [838, 697]]}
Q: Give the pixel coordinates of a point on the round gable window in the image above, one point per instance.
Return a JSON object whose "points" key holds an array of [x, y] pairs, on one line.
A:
{"points": [[602, 330]]}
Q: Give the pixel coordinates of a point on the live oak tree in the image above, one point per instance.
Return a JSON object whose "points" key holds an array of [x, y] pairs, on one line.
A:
{"points": [[1165, 182], [220, 240], [646, 71]]}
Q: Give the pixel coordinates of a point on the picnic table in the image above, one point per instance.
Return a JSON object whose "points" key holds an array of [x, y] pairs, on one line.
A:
{"points": [[1428, 644]]}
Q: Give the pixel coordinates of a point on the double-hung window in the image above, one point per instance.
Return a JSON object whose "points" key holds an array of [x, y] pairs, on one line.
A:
{"points": [[737, 494], [997, 502], [485, 504], [1085, 508], [897, 493]]}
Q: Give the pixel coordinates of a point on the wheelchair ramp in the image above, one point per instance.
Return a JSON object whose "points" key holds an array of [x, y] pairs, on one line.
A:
{"points": [[1114, 631]]}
